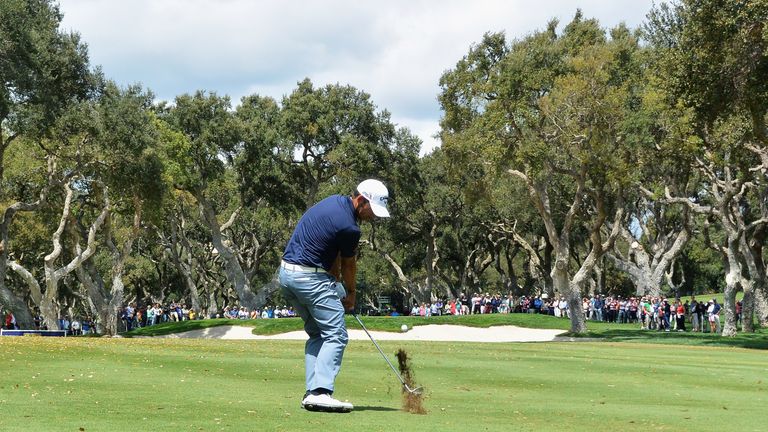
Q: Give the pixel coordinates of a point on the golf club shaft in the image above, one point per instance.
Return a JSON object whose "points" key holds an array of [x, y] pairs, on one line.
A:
{"points": [[379, 348]]}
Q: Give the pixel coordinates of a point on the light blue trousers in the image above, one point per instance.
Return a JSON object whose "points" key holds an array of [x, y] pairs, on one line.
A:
{"points": [[315, 298]]}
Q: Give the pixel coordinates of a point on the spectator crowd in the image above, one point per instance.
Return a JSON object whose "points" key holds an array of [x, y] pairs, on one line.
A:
{"points": [[651, 313], [142, 316]]}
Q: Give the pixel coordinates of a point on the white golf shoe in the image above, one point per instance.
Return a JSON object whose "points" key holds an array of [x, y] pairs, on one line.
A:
{"points": [[326, 403]]}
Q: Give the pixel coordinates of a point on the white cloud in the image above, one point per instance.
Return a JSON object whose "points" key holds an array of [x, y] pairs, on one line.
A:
{"points": [[395, 50]]}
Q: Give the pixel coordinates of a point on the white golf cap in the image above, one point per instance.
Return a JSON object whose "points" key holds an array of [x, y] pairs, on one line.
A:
{"points": [[377, 194]]}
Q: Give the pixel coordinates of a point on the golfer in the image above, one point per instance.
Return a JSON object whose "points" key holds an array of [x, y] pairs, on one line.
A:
{"points": [[319, 256]]}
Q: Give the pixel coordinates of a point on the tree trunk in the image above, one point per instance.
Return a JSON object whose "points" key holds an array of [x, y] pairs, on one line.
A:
{"points": [[562, 284], [761, 307], [232, 268], [748, 307], [431, 258], [732, 277], [19, 308], [49, 307], [175, 247], [106, 319], [25, 320]]}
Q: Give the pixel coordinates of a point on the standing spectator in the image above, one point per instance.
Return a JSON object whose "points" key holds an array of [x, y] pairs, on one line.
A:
{"points": [[693, 311], [525, 304], [680, 315], [506, 304], [495, 303], [37, 319], [701, 310], [128, 315], [139, 317], [646, 313], [712, 316], [10, 320], [665, 313], [76, 328], [632, 309], [738, 313], [599, 304], [623, 310], [487, 304], [159, 317], [563, 305], [151, 316], [476, 304], [668, 313], [537, 303], [614, 310], [549, 307], [65, 325], [465, 304]]}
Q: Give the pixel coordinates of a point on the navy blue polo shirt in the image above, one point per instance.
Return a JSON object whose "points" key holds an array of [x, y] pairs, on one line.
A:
{"points": [[327, 228]]}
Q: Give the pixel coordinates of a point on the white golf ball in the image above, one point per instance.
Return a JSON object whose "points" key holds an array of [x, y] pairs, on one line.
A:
{"points": [[404, 328]]}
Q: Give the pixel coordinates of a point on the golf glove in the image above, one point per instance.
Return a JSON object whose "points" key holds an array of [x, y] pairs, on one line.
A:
{"points": [[349, 303]]}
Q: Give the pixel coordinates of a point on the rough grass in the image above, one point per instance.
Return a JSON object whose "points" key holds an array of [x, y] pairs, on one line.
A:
{"points": [[100, 384]]}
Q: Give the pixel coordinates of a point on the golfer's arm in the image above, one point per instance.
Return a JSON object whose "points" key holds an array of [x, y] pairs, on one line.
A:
{"points": [[349, 273], [335, 270]]}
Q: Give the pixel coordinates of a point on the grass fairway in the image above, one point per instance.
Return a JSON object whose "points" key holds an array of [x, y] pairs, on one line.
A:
{"points": [[99, 384]]}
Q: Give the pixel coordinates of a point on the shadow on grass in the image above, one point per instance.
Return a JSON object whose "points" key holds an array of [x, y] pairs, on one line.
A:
{"points": [[374, 408], [741, 340]]}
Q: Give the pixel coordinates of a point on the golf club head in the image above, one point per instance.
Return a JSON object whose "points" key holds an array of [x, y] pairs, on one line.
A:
{"points": [[415, 391]]}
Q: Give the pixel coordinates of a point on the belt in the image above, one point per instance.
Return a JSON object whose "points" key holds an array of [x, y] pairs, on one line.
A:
{"points": [[301, 268]]}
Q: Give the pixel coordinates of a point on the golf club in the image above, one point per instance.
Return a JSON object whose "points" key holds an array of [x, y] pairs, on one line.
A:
{"points": [[416, 390]]}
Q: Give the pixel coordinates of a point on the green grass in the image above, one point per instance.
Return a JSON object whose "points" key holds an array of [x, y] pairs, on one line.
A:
{"points": [[101, 384], [706, 297]]}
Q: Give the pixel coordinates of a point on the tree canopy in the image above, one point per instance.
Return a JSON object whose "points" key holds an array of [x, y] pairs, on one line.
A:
{"points": [[575, 160]]}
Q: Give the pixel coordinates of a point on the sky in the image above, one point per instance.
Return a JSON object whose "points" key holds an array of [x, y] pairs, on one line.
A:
{"points": [[394, 50]]}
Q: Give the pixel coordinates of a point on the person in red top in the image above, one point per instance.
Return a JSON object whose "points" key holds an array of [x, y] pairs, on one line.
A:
{"points": [[680, 315], [10, 320]]}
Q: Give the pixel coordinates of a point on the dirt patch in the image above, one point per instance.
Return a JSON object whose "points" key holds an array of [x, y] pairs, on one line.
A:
{"points": [[412, 401]]}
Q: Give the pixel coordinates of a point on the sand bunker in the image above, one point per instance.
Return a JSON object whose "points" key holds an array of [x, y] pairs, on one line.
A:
{"points": [[431, 332]]}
